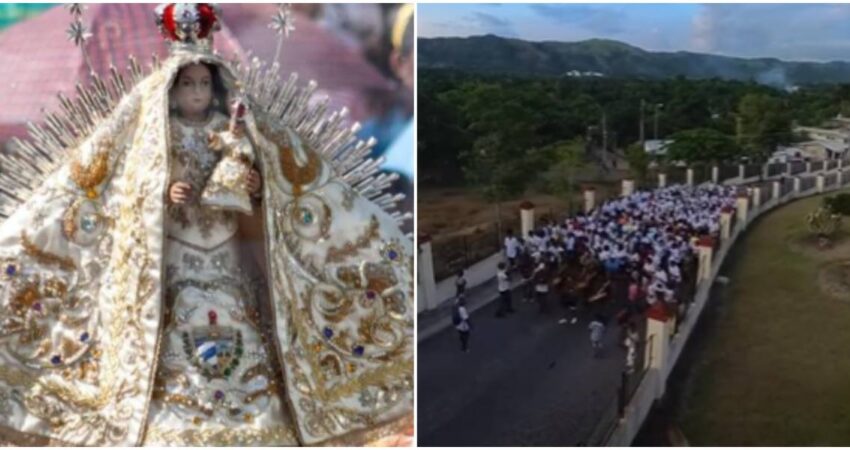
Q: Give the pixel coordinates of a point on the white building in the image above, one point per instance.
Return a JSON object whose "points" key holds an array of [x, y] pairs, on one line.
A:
{"points": [[656, 147]]}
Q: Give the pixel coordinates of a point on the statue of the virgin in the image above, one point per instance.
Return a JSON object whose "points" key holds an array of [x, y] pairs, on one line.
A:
{"points": [[200, 255]]}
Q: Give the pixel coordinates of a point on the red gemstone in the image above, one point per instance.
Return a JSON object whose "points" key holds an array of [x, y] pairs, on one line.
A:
{"points": [[168, 21], [213, 317], [207, 19]]}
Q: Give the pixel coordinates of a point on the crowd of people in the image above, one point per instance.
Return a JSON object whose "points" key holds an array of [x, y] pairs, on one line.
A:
{"points": [[644, 243]]}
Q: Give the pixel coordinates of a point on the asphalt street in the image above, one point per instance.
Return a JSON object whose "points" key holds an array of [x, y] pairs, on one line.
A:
{"points": [[527, 380]]}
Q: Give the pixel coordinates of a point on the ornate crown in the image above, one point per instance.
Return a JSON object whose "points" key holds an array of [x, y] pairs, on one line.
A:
{"points": [[188, 23]]}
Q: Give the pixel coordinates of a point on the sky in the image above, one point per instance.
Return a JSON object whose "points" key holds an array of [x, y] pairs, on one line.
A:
{"points": [[793, 32]]}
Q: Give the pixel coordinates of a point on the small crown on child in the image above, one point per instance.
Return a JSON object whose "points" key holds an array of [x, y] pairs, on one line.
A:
{"points": [[188, 23]]}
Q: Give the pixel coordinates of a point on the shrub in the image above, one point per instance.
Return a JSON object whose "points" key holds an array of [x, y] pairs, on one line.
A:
{"points": [[838, 204], [823, 222]]}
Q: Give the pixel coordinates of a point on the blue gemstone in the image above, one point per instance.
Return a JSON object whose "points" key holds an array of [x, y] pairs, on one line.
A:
{"points": [[56, 360], [306, 217], [328, 333], [392, 254], [358, 350], [11, 270], [89, 223], [84, 337]]}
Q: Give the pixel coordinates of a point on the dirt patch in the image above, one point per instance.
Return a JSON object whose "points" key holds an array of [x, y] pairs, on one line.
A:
{"points": [[834, 280], [450, 212], [807, 243]]}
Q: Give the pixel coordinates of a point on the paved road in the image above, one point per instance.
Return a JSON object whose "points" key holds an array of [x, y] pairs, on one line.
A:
{"points": [[527, 380]]}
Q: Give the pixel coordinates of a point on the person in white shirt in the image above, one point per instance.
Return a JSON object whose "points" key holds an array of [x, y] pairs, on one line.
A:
{"points": [[675, 273], [504, 283], [460, 319], [511, 248]]}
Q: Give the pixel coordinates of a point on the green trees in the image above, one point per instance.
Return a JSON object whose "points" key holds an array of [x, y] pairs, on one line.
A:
{"points": [[638, 161], [702, 145], [566, 159], [764, 123], [715, 119]]}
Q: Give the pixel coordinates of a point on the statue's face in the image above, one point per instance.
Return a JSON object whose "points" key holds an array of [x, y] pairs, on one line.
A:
{"points": [[193, 91]]}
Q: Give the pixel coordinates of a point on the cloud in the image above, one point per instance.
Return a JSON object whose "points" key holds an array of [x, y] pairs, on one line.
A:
{"points": [[602, 19], [815, 32], [489, 23]]}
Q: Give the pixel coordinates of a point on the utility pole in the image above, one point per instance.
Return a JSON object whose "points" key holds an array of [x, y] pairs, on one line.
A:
{"points": [[642, 107], [604, 131], [738, 129], [655, 125]]}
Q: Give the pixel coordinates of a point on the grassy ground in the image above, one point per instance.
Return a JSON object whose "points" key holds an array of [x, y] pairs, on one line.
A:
{"points": [[775, 369]]}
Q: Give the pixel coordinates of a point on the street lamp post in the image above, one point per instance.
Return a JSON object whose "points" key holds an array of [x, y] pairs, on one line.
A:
{"points": [[655, 124], [642, 107]]}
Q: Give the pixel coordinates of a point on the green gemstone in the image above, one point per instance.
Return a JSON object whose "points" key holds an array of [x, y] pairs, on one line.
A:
{"points": [[238, 351], [227, 372], [306, 217]]}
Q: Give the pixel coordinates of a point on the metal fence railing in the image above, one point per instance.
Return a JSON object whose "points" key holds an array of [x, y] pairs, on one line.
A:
{"points": [[728, 172], [807, 183], [776, 169], [702, 173], [830, 179], [454, 253], [817, 166], [677, 175], [787, 186], [796, 167], [766, 192], [752, 170]]}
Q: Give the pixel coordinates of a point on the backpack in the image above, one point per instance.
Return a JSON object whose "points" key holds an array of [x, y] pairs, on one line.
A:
{"points": [[456, 319]]}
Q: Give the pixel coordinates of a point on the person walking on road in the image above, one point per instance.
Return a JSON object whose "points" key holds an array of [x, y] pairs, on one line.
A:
{"points": [[504, 281], [526, 270], [597, 331], [460, 319], [511, 248], [542, 274], [460, 283], [631, 343]]}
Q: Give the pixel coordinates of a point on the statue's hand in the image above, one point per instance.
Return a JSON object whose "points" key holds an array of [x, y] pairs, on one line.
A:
{"points": [[214, 141], [254, 182], [180, 192]]}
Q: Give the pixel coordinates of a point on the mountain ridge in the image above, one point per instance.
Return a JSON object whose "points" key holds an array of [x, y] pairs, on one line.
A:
{"points": [[493, 54]]}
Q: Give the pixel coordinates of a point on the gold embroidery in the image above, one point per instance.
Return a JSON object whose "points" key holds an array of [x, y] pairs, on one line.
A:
{"points": [[336, 255], [393, 433], [181, 400], [89, 177], [275, 435], [44, 257], [296, 175]]}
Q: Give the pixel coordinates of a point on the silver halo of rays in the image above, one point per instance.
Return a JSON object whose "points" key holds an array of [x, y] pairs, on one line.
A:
{"points": [[77, 31], [283, 23], [286, 104]]}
